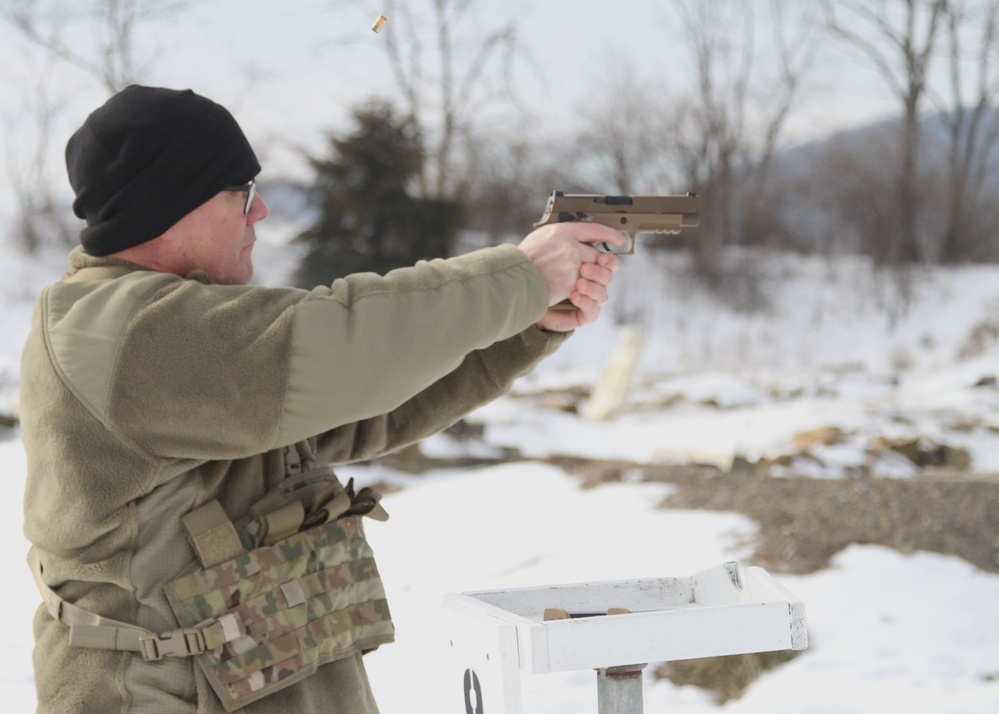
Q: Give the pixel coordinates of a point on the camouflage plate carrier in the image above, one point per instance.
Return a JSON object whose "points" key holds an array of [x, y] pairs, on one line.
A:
{"points": [[289, 588]]}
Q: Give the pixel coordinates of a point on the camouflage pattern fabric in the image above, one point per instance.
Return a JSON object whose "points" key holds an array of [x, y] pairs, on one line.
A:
{"points": [[273, 615]]}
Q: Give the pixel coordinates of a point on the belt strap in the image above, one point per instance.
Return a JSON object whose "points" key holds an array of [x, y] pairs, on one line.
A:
{"points": [[94, 631]]}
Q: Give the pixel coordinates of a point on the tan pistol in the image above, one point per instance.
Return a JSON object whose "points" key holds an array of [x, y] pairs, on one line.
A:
{"points": [[629, 214]]}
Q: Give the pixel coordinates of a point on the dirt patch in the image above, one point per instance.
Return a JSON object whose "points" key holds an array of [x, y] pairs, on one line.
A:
{"points": [[726, 678], [804, 522]]}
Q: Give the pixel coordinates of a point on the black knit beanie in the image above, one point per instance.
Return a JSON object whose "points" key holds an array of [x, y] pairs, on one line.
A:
{"points": [[146, 159]]}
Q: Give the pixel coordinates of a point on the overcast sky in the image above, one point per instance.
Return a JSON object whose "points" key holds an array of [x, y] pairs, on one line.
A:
{"points": [[290, 71], [324, 57]]}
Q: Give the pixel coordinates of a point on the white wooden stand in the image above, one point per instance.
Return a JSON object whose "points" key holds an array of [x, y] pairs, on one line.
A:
{"points": [[495, 635]]}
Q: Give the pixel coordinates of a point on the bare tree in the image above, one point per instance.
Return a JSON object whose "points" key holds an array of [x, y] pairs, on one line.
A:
{"points": [[732, 124], [622, 141], [115, 61], [506, 200], [450, 68], [899, 38], [40, 218], [972, 125]]}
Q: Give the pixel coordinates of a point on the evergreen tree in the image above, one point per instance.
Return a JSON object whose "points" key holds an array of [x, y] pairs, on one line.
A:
{"points": [[367, 218]]}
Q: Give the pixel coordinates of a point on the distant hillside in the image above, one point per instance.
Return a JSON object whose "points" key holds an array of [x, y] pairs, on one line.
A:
{"points": [[825, 179]]}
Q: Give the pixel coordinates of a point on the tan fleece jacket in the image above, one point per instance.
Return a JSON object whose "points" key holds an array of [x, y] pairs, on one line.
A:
{"points": [[147, 395]]}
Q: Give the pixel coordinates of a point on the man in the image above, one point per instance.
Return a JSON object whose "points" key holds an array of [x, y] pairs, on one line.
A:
{"points": [[166, 405]]}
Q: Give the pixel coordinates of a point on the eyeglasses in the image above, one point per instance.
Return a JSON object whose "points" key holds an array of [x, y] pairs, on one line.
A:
{"points": [[250, 188]]}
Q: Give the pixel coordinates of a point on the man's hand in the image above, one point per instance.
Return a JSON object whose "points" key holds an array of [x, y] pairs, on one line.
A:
{"points": [[573, 270]]}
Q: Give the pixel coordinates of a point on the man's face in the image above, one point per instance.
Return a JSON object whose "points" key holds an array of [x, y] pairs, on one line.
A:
{"points": [[217, 237]]}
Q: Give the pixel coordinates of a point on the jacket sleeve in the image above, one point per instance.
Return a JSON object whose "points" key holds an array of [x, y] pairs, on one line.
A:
{"points": [[482, 376], [216, 372]]}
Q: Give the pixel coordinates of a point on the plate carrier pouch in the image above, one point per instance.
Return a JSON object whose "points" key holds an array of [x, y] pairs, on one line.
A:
{"points": [[295, 587]]}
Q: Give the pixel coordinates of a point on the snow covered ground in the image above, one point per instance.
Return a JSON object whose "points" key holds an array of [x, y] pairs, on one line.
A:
{"points": [[888, 632]]}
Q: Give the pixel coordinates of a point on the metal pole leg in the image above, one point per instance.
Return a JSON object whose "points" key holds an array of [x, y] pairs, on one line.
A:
{"points": [[619, 689]]}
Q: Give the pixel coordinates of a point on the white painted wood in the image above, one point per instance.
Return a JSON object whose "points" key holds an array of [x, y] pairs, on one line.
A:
{"points": [[663, 636], [647, 594], [482, 670], [721, 586], [762, 586], [722, 611]]}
